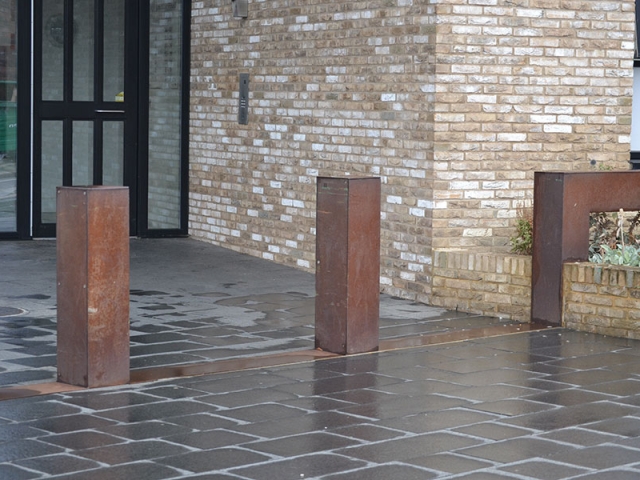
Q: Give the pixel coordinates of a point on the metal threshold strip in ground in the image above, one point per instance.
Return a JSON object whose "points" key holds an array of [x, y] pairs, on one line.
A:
{"points": [[152, 374]]}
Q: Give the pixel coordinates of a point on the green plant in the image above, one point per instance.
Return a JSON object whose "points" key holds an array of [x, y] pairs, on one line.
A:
{"points": [[620, 255], [522, 242], [610, 242]]}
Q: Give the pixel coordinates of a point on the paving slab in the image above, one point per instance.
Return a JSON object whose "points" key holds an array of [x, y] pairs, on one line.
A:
{"points": [[272, 423], [190, 302], [545, 404]]}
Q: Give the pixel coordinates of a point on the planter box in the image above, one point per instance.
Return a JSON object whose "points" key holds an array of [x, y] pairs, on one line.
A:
{"points": [[602, 299]]}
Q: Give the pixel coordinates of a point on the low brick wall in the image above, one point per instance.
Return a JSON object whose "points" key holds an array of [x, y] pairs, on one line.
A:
{"points": [[602, 299], [493, 284]]}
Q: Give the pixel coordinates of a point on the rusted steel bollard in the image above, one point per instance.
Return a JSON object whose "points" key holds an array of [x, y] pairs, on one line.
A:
{"points": [[347, 264], [93, 285]]}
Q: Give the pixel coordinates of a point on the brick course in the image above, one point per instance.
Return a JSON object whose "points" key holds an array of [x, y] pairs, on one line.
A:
{"points": [[494, 284], [454, 104], [602, 299]]}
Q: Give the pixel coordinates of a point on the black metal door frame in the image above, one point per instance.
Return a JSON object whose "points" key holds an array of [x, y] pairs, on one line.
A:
{"points": [[24, 121], [143, 125], [96, 111], [29, 175]]}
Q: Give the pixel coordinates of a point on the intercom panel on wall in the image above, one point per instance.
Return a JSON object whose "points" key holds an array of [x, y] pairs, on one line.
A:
{"points": [[243, 99], [240, 8]]}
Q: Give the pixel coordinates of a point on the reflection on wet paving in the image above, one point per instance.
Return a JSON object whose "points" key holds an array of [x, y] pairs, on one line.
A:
{"points": [[514, 406], [210, 325], [170, 328], [193, 304]]}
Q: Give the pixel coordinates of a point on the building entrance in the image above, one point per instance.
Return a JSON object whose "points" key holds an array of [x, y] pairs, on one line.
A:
{"points": [[85, 100], [109, 90]]}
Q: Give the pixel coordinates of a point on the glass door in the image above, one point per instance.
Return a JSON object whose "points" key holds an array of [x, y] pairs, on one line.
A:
{"points": [[85, 100], [8, 115]]}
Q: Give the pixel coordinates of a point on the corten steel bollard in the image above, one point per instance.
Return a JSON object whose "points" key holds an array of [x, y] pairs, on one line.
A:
{"points": [[347, 264], [93, 285]]}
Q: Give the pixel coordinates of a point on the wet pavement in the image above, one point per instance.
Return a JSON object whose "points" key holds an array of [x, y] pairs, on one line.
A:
{"points": [[190, 302], [546, 404]]}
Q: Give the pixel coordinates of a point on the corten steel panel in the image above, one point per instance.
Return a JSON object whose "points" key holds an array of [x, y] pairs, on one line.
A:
{"points": [[93, 285], [347, 264], [547, 251], [332, 235], [363, 274], [561, 209]]}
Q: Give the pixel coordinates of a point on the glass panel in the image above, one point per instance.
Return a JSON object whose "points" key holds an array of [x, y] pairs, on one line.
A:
{"points": [[114, 51], [113, 153], [51, 168], [8, 118], [52, 49], [82, 153], [83, 33], [165, 94]]}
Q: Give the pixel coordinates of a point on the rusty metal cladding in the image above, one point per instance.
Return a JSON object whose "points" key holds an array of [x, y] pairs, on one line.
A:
{"points": [[347, 264], [561, 208], [93, 285]]}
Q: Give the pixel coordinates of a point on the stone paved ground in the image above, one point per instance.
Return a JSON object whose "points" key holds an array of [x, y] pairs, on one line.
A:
{"points": [[190, 303], [551, 404]]}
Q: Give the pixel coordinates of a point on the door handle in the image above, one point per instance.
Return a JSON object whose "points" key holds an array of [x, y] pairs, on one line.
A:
{"points": [[109, 111]]}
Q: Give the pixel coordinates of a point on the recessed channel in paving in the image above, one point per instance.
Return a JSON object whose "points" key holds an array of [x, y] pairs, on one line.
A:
{"points": [[193, 305]]}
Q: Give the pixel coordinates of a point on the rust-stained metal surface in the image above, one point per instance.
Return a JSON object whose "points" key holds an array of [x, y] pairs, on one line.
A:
{"points": [[224, 366], [347, 265], [561, 208], [34, 390], [93, 285]]}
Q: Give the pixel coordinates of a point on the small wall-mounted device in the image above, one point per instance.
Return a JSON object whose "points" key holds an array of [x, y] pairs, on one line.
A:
{"points": [[243, 99], [240, 8]]}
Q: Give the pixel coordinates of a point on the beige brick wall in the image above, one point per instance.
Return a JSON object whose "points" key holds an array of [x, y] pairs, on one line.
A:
{"points": [[524, 86], [493, 284], [452, 103], [602, 299]]}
